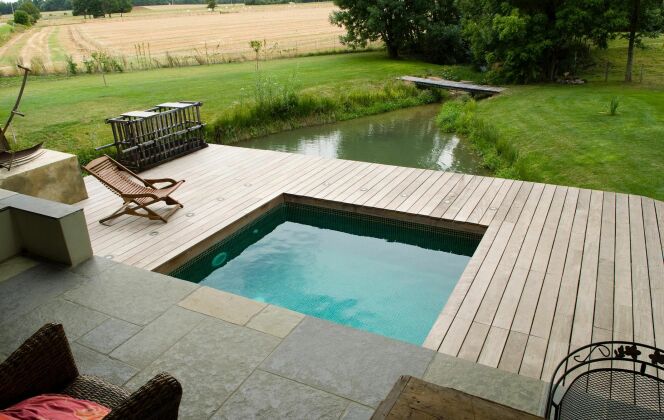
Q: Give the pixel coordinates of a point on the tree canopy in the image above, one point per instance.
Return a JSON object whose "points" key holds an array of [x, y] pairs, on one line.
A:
{"points": [[513, 40], [100, 8], [32, 10], [403, 26]]}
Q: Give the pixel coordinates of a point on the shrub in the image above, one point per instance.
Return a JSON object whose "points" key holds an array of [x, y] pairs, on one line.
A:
{"points": [[497, 151], [72, 67], [22, 18], [37, 66], [280, 106], [613, 106], [32, 10]]}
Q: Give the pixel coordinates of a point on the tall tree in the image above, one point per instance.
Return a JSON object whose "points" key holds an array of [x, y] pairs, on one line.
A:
{"points": [[646, 19], [402, 25], [32, 10], [526, 41]]}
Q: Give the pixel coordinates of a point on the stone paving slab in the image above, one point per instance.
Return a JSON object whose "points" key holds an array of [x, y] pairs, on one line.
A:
{"points": [[109, 335], [76, 319], [90, 362], [34, 287], [157, 337], [222, 305], [357, 411], [131, 294], [354, 364], [275, 321], [14, 266], [93, 267], [507, 388], [211, 362], [267, 396], [231, 370]]}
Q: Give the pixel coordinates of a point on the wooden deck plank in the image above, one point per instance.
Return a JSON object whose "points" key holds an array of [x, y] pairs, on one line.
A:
{"points": [[659, 209], [606, 266], [140, 227], [642, 312], [421, 192], [464, 198], [512, 355], [474, 341], [207, 203], [498, 203], [655, 268], [385, 173], [202, 226], [465, 212], [498, 187], [559, 340], [444, 321], [556, 267], [509, 300], [391, 202], [623, 321], [481, 282], [546, 305], [460, 192], [439, 195], [526, 307], [582, 326]]}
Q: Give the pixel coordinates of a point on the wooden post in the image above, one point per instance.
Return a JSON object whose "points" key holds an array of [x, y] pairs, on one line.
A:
{"points": [[606, 71], [641, 74]]}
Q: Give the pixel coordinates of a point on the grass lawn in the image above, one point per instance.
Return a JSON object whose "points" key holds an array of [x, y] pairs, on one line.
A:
{"points": [[565, 135], [5, 32], [68, 113]]}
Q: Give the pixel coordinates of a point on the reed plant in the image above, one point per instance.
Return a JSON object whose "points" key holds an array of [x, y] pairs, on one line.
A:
{"points": [[277, 106]]}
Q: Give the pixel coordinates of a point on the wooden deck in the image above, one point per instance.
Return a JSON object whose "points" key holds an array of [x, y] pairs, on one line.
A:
{"points": [[452, 85], [557, 267]]}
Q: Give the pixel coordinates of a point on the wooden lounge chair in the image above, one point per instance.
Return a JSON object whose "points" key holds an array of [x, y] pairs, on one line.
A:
{"points": [[138, 193]]}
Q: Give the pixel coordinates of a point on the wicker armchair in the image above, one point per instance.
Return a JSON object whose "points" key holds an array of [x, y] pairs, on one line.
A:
{"points": [[44, 364]]}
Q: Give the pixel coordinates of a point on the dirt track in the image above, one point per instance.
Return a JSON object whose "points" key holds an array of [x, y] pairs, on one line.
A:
{"points": [[185, 31]]}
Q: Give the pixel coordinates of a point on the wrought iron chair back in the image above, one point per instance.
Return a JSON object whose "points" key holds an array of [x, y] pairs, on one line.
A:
{"points": [[608, 380]]}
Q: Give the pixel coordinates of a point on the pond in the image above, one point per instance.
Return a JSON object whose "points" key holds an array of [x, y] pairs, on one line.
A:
{"points": [[407, 137]]}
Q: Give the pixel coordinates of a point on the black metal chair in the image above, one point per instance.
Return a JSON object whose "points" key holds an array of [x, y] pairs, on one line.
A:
{"points": [[619, 380]]}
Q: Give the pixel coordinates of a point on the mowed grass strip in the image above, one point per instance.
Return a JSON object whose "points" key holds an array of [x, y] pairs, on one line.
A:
{"points": [[68, 113], [564, 134]]}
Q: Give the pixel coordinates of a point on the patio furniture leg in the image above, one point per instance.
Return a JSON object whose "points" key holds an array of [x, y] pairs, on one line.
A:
{"points": [[117, 213]]}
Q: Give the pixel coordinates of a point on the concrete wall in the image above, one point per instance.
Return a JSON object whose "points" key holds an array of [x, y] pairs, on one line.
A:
{"points": [[54, 176], [54, 231]]}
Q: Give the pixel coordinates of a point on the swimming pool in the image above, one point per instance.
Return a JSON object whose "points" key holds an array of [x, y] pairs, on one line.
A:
{"points": [[381, 275]]}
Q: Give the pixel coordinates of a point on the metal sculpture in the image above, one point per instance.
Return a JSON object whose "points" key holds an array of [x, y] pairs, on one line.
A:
{"points": [[10, 158]]}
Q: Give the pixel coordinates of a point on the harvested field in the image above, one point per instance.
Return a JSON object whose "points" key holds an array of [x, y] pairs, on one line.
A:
{"points": [[167, 36]]}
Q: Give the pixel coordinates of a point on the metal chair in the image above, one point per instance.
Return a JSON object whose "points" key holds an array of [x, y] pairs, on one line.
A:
{"points": [[608, 380]]}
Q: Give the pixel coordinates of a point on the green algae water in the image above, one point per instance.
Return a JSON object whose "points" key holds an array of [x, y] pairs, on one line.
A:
{"points": [[407, 137], [380, 275]]}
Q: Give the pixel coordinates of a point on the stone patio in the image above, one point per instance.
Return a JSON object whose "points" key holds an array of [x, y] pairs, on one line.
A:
{"points": [[235, 358]]}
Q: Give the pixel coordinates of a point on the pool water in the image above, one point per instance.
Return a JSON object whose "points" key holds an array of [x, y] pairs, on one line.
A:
{"points": [[380, 275]]}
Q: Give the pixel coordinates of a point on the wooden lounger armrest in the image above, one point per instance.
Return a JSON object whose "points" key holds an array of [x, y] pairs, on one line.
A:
{"points": [[146, 195], [151, 182]]}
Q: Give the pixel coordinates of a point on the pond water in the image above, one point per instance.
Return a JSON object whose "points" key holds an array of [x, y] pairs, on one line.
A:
{"points": [[407, 137]]}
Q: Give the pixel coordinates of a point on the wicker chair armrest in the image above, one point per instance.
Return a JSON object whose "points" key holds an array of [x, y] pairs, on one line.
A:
{"points": [[159, 399], [42, 364]]}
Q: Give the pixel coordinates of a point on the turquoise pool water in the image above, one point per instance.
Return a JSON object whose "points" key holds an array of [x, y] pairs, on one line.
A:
{"points": [[387, 277]]}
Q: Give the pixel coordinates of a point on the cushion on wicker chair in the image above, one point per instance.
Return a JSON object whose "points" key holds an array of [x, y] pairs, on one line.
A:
{"points": [[54, 407]]}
